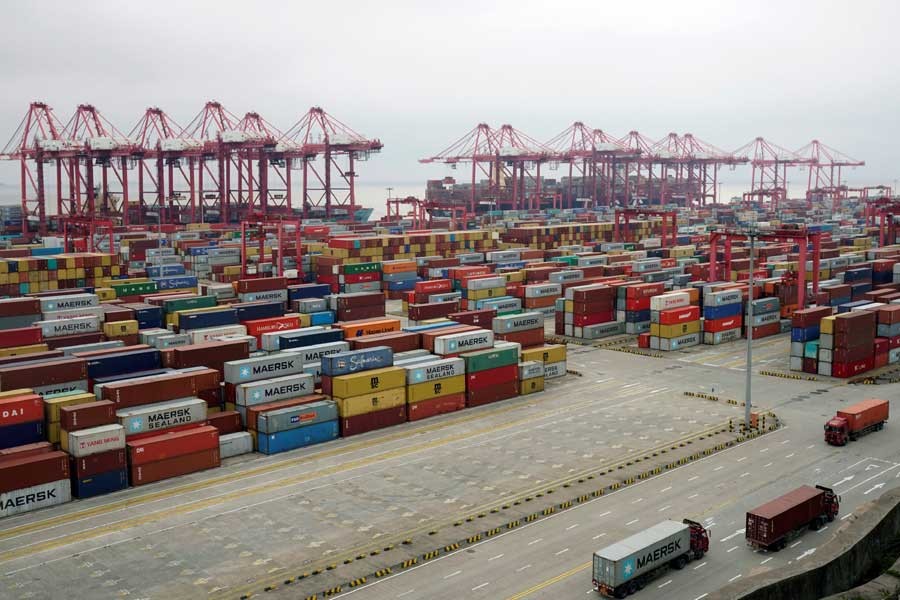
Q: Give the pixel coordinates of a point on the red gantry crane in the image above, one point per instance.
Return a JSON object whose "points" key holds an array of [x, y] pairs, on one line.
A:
{"points": [[770, 164], [520, 160], [477, 147], [825, 173]]}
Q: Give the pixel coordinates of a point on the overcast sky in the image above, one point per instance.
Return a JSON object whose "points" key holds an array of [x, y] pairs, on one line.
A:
{"points": [[418, 75]]}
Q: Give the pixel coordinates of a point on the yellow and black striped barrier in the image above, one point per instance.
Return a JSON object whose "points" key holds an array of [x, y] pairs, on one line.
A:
{"points": [[548, 511], [513, 524], [530, 518], [313, 597], [357, 582], [332, 591], [383, 572], [451, 547], [492, 532], [473, 538], [408, 563], [430, 555]]}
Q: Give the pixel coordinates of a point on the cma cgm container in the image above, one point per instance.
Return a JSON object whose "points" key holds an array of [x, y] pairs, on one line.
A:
{"points": [[769, 526], [625, 567]]}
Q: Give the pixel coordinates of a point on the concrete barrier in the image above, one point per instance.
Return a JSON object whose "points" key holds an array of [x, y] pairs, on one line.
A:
{"points": [[856, 547]]}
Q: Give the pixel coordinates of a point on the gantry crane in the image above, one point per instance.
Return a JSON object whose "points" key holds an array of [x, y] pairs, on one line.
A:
{"points": [[824, 181]]}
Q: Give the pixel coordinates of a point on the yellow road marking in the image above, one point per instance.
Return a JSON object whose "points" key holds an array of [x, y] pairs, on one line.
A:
{"points": [[550, 581]]}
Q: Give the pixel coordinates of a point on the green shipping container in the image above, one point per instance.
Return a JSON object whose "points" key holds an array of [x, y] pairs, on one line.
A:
{"points": [[176, 304], [482, 360], [134, 289], [369, 267]]}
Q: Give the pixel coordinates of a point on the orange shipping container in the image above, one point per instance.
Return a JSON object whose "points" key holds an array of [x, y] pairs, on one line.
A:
{"points": [[354, 329]]}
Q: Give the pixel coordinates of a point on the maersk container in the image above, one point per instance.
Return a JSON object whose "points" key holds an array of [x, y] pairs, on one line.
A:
{"points": [[521, 322], [344, 363], [52, 303], [555, 369], [292, 417], [35, 497], [464, 342], [723, 298], [172, 341], [279, 364], [69, 326], [297, 438], [642, 552], [162, 415], [601, 330], [316, 352], [435, 369], [677, 343], [486, 283], [74, 313], [280, 296], [100, 484], [270, 390], [540, 290]]}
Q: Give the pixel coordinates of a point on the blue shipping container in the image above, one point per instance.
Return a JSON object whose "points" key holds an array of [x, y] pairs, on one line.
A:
{"points": [[805, 334], [309, 338], [150, 323], [123, 362], [322, 318], [637, 316], [296, 438], [165, 270], [344, 363], [201, 320], [722, 312], [98, 485], [176, 282], [308, 290], [250, 311], [21, 434], [402, 286]]}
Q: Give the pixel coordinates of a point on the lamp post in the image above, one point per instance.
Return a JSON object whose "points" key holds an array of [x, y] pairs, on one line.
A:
{"points": [[752, 233]]}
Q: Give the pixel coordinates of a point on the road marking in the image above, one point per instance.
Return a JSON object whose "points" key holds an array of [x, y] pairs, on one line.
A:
{"points": [[785, 442], [735, 578], [847, 516], [865, 481], [665, 489], [809, 552], [744, 474], [453, 574], [406, 593], [637, 501], [478, 587], [692, 497], [604, 514], [549, 582], [767, 560], [733, 535], [664, 584], [797, 543], [767, 465], [877, 486], [853, 465], [719, 468], [632, 522], [537, 541], [732, 549], [520, 569], [844, 480], [495, 557], [811, 446], [791, 455], [823, 529], [701, 597], [703, 564], [743, 458], [666, 507], [570, 527], [763, 450], [563, 551], [694, 477], [598, 536]]}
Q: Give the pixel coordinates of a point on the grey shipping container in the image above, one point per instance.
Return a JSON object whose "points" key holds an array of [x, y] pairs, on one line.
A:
{"points": [[235, 444], [270, 390], [283, 419], [34, 497], [266, 367], [640, 553]]}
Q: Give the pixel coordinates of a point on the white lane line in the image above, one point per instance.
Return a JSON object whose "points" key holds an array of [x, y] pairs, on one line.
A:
{"points": [[453, 574], [405, 593], [823, 529], [797, 543], [719, 468], [520, 569], [744, 474], [537, 541], [570, 527], [732, 549], [495, 557], [692, 497], [791, 455], [632, 522], [741, 459], [767, 465], [694, 477], [666, 507], [664, 584], [666, 489], [701, 596], [478, 587], [598, 536], [637, 501], [767, 560], [847, 516], [563, 551], [785, 442], [811, 446], [735, 578], [865, 481], [763, 450], [703, 564], [604, 514]]}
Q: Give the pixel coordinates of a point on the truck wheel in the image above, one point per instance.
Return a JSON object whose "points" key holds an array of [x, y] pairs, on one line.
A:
{"points": [[816, 524], [621, 592], [830, 517], [680, 562], [632, 587]]}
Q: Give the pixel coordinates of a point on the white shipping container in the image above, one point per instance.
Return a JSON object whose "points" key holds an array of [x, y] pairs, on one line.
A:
{"points": [[541, 290], [670, 300], [37, 496], [520, 322], [723, 298], [435, 369], [235, 444], [162, 415], [530, 369], [279, 364], [682, 341], [74, 313], [266, 296], [251, 340], [208, 334], [464, 342], [554, 370], [61, 327], [52, 303], [58, 388], [486, 283], [96, 440], [571, 275], [270, 390], [270, 340]]}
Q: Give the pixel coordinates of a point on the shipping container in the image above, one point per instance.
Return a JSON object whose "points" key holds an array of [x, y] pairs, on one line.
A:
{"points": [[100, 484], [297, 438], [19, 472], [32, 498], [270, 390], [345, 363], [436, 406], [284, 419], [167, 445], [435, 369], [464, 342], [352, 406], [430, 389], [346, 386], [162, 415], [371, 421], [93, 440], [174, 467], [281, 364], [99, 463], [768, 526], [235, 444]]}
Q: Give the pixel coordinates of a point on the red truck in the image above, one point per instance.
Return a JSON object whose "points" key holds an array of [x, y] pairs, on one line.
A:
{"points": [[769, 526], [854, 421]]}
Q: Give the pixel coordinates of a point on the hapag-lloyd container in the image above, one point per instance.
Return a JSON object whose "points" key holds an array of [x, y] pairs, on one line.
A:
{"points": [[670, 300], [169, 445], [520, 322], [93, 440], [235, 444], [38, 496], [354, 361], [72, 326], [304, 415], [464, 342], [280, 364], [270, 390], [435, 369], [162, 415]]}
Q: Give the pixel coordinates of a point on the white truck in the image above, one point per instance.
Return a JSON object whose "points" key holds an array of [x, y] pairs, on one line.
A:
{"points": [[625, 567]]}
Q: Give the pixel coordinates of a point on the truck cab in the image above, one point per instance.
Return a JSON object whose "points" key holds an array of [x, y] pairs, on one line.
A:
{"points": [[699, 538], [837, 431], [832, 503]]}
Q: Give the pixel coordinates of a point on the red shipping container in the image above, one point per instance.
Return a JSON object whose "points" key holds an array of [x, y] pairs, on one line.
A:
{"points": [[226, 421], [880, 360], [137, 437], [810, 365], [436, 406], [766, 330], [15, 376], [168, 445], [644, 290], [210, 354], [894, 342], [24, 472], [378, 419], [21, 409], [850, 355], [644, 340], [674, 316], [22, 336], [361, 312], [716, 325], [527, 338], [494, 393], [26, 450], [483, 318], [491, 377], [17, 358], [257, 327], [85, 416], [78, 339], [596, 306], [247, 286], [17, 307], [433, 310], [808, 317], [94, 464], [593, 318], [173, 467], [849, 369], [171, 386], [434, 286], [882, 345], [398, 341]]}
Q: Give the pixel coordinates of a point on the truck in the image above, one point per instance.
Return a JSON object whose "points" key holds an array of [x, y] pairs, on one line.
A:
{"points": [[770, 526], [861, 418], [627, 566]]}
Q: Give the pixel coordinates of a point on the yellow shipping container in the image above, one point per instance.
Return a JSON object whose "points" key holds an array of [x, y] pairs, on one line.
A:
{"points": [[549, 353], [52, 405], [486, 293], [515, 276], [105, 293], [366, 403], [19, 350], [826, 325], [366, 382], [673, 331], [436, 388], [530, 386], [18, 392], [120, 328]]}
